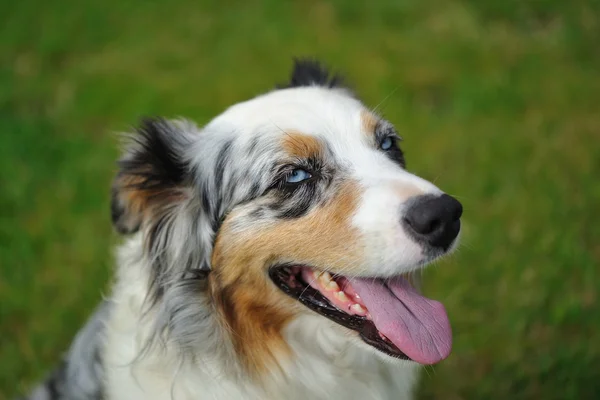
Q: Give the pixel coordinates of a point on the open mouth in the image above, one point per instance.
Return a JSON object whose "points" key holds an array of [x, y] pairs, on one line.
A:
{"points": [[388, 314]]}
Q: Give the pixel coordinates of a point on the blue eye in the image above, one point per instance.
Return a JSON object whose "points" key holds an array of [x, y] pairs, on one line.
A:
{"points": [[298, 175], [387, 143]]}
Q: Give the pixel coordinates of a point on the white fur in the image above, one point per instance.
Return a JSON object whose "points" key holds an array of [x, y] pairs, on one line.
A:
{"points": [[334, 116], [330, 363]]}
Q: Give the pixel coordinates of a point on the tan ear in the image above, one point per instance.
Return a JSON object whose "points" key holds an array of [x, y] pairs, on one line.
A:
{"points": [[152, 175]]}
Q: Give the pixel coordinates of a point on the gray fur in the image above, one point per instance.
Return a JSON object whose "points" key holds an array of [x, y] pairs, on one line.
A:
{"points": [[80, 374], [225, 174], [213, 170]]}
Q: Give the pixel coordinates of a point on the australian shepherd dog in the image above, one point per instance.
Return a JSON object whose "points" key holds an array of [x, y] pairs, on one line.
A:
{"points": [[270, 254]]}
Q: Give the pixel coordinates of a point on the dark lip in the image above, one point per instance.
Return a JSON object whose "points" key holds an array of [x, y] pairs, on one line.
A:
{"points": [[313, 299]]}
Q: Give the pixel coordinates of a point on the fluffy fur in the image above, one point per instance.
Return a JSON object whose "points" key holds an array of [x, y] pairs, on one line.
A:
{"points": [[193, 313]]}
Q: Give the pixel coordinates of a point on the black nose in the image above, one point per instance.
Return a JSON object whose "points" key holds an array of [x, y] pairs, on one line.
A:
{"points": [[434, 219]]}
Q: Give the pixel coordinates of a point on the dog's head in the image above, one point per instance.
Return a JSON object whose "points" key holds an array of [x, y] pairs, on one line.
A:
{"points": [[296, 201]]}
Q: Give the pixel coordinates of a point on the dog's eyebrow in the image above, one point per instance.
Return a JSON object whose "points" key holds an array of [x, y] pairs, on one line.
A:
{"points": [[301, 145], [369, 122]]}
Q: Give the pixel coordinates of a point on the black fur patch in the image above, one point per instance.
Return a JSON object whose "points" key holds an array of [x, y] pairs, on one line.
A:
{"points": [[152, 165], [309, 72], [297, 203], [155, 159], [222, 160]]}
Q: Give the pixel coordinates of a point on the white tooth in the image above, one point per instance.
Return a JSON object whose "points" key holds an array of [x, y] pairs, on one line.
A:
{"points": [[325, 276], [342, 296], [357, 308], [332, 286]]}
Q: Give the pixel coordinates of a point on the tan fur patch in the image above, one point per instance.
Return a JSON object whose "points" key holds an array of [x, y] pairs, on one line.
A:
{"points": [[143, 204], [405, 192], [135, 199], [368, 122], [300, 145], [253, 314], [251, 305]]}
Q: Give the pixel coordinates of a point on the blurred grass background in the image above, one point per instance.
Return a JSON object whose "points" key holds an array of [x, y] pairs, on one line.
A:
{"points": [[498, 102]]}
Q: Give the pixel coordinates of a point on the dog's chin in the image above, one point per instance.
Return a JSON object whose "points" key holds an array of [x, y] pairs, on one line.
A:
{"points": [[386, 358], [386, 315]]}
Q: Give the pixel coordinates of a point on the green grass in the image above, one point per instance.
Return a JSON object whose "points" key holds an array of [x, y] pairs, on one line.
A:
{"points": [[498, 102]]}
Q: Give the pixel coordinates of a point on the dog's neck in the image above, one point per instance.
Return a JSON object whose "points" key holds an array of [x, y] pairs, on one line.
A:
{"points": [[324, 356]]}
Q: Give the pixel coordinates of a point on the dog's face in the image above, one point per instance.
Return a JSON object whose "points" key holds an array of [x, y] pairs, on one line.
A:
{"points": [[297, 201]]}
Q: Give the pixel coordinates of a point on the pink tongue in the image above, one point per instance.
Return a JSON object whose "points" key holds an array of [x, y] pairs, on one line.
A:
{"points": [[416, 325]]}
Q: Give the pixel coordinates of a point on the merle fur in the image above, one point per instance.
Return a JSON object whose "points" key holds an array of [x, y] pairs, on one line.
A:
{"points": [[155, 164], [223, 158], [80, 374], [154, 161]]}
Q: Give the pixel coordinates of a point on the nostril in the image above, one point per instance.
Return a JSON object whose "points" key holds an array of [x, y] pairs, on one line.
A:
{"points": [[434, 225], [422, 223]]}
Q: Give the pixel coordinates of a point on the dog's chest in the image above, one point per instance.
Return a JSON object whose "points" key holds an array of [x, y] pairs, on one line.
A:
{"points": [[326, 365], [329, 364], [149, 382]]}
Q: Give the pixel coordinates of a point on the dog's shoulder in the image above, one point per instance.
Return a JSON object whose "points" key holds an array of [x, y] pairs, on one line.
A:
{"points": [[80, 374]]}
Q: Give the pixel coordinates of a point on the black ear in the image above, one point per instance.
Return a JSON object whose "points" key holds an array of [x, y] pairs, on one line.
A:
{"points": [[309, 72], [152, 174]]}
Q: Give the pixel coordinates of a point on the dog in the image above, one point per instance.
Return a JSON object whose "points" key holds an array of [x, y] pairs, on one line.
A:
{"points": [[271, 254]]}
